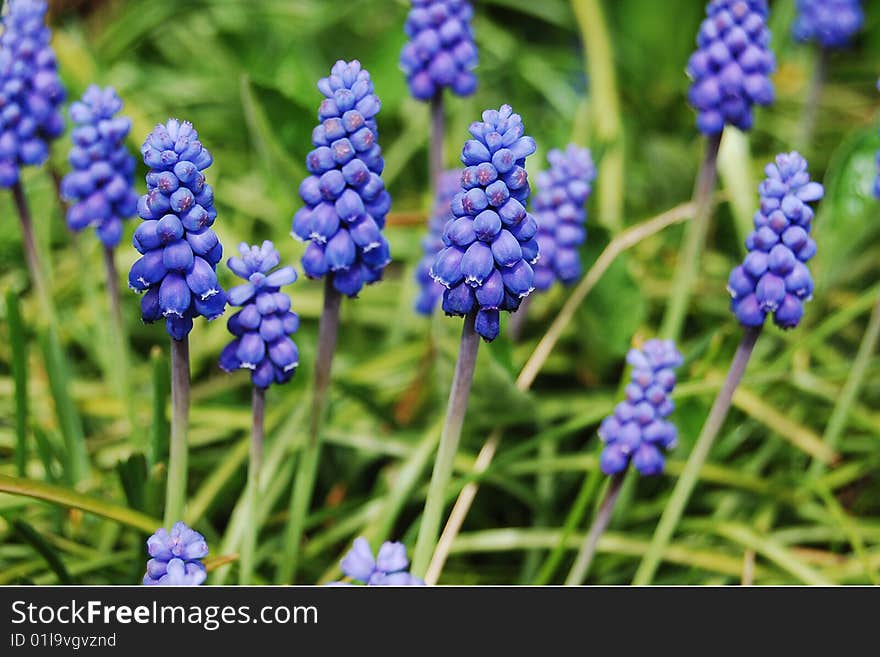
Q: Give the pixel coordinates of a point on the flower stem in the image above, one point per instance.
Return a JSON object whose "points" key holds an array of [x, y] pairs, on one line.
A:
{"points": [[307, 468], [31, 253], [449, 439], [688, 479], [688, 266], [814, 95], [249, 545], [175, 495], [118, 339], [438, 130], [585, 556]]}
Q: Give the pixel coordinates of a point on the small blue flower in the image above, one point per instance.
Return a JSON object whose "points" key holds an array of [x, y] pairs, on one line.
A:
{"points": [[731, 67], [440, 52], [831, 23], [638, 430], [176, 557], [490, 241], [180, 252], [101, 185], [31, 93], [560, 213], [263, 325], [431, 291], [774, 277], [387, 568], [345, 198]]}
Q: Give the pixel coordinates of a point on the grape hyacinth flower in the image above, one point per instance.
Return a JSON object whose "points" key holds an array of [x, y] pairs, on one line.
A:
{"points": [[387, 568], [262, 345], [485, 268], [636, 433], [559, 210], [345, 208], [177, 270], [32, 94], [773, 279], [101, 186], [440, 54], [432, 243], [831, 23], [731, 67], [176, 557]]}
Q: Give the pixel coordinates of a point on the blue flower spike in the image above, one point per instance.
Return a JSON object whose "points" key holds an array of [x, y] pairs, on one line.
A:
{"points": [[178, 269], [830, 23], [774, 277], [486, 264], [559, 210], [345, 198], [31, 92], [100, 188], [730, 70], [638, 431], [263, 326], [176, 557], [440, 53]]}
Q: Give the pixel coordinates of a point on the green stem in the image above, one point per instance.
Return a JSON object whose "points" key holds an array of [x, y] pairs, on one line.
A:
{"points": [[691, 473], [307, 468], [175, 496], [449, 439], [600, 523], [249, 545], [814, 95], [19, 365], [850, 392], [688, 267], [118, 339], [31, 252]]}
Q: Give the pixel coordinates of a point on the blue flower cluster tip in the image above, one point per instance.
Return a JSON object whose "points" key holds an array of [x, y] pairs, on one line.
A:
{"points": [[731, 67], [176, 557], [345, 198], [263, 326], [831, 23], [101, 186], [31, 93], [559, 209], [387, 568], [774, 277], [430, 290], [638, 431], [486, 265], [180, 252], [440, 52]]}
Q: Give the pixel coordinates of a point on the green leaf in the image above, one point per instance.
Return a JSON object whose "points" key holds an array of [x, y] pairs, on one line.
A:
{"points": [[31, 536], [18, 346]]}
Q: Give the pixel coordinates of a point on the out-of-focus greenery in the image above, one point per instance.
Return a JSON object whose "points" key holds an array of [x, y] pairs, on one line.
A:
{"points": [[244, 73]]}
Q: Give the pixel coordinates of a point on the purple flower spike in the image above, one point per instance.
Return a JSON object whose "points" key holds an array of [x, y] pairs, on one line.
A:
{"points": [[440, 52], [176, 557], [431, 291], [774, 277], [560, 213], [179, 250], [101, 185], [31, 93], [388, 568], [345, 198], [831, 23], [638, 430], [489, 243], [731, 67], [263, 325]]}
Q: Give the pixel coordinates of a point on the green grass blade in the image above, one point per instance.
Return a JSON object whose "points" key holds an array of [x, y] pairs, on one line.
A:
{"points": [[18, 346], [32, 537]]}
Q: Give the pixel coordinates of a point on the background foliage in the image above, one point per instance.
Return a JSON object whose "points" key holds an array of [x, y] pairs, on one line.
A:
{"points": [[245, 73]]}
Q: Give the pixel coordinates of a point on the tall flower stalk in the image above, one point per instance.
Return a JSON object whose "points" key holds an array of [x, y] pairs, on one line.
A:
{"points": [[262, 344], [440, 54], [636, 433], [485, 268], [730, 74], [177, 270], [773, 279], [344, 213]]}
